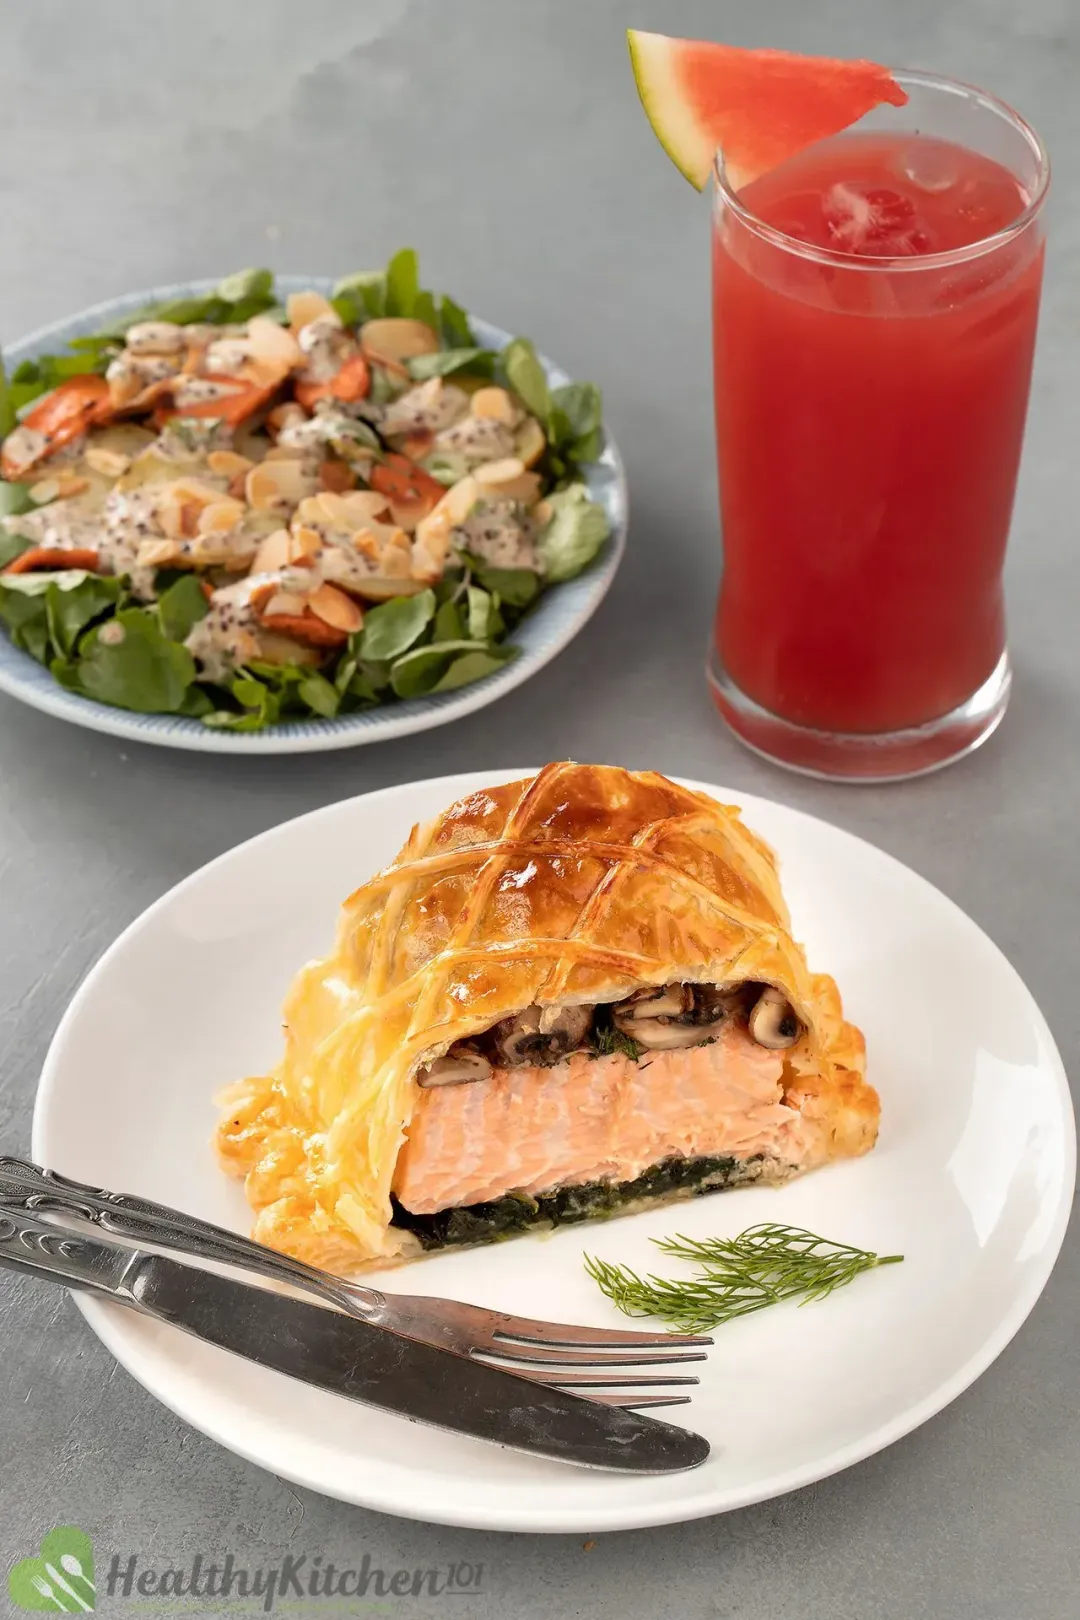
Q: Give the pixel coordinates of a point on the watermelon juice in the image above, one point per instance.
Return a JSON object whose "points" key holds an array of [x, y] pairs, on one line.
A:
{"points": [[872, 368]]}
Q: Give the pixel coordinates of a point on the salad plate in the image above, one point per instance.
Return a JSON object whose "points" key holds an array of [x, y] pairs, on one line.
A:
{"points": [[971, 1181], [537, 627]]}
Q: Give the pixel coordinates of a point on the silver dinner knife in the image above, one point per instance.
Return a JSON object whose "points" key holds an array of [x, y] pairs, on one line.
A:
{"points": [[351, 1357]]}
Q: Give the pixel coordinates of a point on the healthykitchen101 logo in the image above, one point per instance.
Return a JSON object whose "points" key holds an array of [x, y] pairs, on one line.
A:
{"points": [[60, 1580]]}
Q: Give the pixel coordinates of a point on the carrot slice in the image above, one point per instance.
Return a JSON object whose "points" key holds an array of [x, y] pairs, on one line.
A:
{"points": [[40, 557], [62, 416], [232, 408], [401, 479], [351, 382], [306, 627]]}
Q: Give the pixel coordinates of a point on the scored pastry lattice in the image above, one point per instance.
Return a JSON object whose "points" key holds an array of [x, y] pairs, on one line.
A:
{"points": [[491, 859]]}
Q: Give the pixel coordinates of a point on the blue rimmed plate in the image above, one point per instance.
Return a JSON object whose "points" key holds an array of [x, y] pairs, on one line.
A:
{"points": [[561, 613]]}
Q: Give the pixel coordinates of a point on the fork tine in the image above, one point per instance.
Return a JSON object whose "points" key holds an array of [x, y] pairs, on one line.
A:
{"points": [[530, 1330], [583, 1356], [580, 1380], [631, 1403]]}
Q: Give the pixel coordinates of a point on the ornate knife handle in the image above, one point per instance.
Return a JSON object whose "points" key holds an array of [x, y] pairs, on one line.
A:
{"points": [[39, 1249], [27, 1186]]}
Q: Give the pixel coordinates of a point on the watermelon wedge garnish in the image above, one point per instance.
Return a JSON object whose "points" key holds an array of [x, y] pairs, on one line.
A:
{"points": [[757, 107]]}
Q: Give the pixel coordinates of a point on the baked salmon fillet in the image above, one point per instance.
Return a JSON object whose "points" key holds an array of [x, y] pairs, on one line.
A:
{"points": [[569, 996]]}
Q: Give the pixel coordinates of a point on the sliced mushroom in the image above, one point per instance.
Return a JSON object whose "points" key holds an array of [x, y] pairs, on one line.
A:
{"points": [[460, 1067], [672, 1016], [773, 1022], [543, 1036]]}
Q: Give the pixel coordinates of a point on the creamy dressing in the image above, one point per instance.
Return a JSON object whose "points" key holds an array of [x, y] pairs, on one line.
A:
{"points": [[478, 439], [501, 534], [426, 409]]}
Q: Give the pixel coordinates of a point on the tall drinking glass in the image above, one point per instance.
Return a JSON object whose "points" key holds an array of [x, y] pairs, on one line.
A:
{"points": [[874, 310]]}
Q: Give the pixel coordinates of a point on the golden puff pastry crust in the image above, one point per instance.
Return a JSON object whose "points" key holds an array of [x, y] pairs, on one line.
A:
{"points": [[582, 884]]}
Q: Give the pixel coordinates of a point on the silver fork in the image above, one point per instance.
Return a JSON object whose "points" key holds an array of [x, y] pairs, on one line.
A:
{"points": [[587, 1360]]}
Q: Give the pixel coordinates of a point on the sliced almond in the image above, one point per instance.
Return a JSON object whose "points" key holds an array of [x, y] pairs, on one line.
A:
{"points": [[156, 553], [335, 608], [529, 442], [221, 517], [362, 506], [508, 480], [226, 463], [304, 542], [283, 602], [330, 508], [275, 484], [543, 512], [180, 504], [398, 338], [433, 532], [304, 307], [495, 405], [112, 463], [44, 491], [272, 553], [272, 345]]}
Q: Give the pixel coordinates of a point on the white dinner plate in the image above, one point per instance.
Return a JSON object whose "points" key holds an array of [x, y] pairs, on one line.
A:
{"points": [[971, 1181], [560, 614]]}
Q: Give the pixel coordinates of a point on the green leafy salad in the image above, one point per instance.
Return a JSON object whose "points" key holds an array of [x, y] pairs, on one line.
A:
{"points": [[250, 512]]}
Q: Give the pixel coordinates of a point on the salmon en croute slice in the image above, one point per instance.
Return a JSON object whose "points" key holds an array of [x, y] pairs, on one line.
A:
{"points": [[567, 996]]}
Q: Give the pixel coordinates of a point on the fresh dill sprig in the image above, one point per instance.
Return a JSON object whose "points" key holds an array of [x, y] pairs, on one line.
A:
{"points": [[762, 1266]]}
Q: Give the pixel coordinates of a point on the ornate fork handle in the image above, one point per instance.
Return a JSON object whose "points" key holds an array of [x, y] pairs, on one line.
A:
{"points": [[27, 1186]]}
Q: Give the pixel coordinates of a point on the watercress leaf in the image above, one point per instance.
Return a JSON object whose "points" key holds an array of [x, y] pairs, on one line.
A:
{"points": [[424, 309], [248, 691], [577, 530], [68, 612], [365, 688], [417, 672], [576, 411], [12, 546], [181, 606], [393, 627], [130, 664], [402, 282], [196, 704], [243, 284], [348, 308], [343, 674], [319, 695], [368, 290], [449, 624], [473, 666], [526, 377], [447, 361], [587, 448], [454, 324], [24, 615], [515, 586], [257, 304], [481, 611], [7, 407]]}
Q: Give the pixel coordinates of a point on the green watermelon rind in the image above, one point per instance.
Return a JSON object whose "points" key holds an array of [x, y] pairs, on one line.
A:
{"points": [[679, 132]]}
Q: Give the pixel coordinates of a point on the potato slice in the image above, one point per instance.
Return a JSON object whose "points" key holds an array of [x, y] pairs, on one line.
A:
{"points": [[304, 307], [397, 338], [529, 442]]}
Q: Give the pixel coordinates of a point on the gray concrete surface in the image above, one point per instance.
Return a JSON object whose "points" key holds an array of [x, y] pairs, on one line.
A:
{"points": [[148, 140]]}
